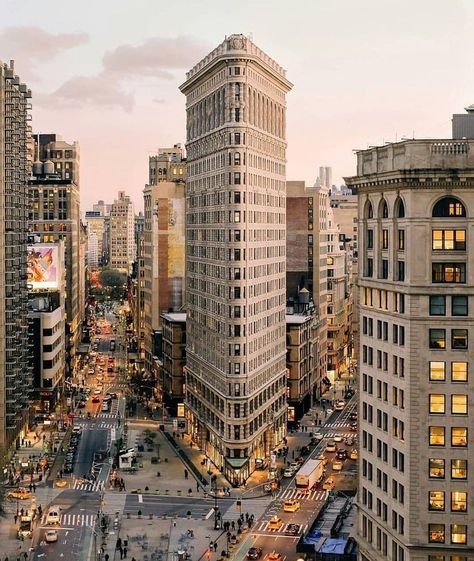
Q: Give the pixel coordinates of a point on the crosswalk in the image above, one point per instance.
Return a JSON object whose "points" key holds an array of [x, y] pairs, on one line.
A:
{"points": [[342, 434], [339, 424], [74, 520], [293, 493], [111, 415], [263, 526], [97, 424], [96, 486]]}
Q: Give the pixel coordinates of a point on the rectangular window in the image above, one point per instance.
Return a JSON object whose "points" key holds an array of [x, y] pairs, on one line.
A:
{"points": [[436, 533], [449, 240], [437, 436], [437, 371], [401, 270], [458, 533], [370, 239], [458, 501], [385, 268], [458, 469], [384, 239], [370, 267], [459, 305], [436, 468], [437, 403], [437, 305], [454, 273], [437, 338], [459, 339], [401, 240], [436, 500], [459, 404], [459, 371], [459, 437]]}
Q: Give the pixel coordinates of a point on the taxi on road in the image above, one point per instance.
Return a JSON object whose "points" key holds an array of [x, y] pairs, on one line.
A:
{"points": [[275, 523], [291, 505]]}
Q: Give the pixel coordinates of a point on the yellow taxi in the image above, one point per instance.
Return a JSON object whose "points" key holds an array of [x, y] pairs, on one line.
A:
{"points": [[329, 484], [20, 493], [274, 556], [354, 455], [275, 523], [291, 505]]}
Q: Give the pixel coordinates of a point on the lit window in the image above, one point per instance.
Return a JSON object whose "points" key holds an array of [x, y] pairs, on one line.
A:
{"points": [[437, 305], [436, 558], [437, 371], [437, 403], [459, 404], [459, 371], [459, 436], [449, 273], [458, 501], [448, 207], [384, 239], [436, 533], [401, 240], [459, 306], [437, 469], [458, 533], [437, 338], [458, 469], [436, 500], [449, 240], [459, 338], [437, 436]]}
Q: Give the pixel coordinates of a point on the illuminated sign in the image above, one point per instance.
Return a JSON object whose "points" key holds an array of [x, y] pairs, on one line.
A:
{"points": [[180, 409], [43, 266]]}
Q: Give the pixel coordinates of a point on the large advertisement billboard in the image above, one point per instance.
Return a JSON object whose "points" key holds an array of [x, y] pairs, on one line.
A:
{"points": [[43, 266]]}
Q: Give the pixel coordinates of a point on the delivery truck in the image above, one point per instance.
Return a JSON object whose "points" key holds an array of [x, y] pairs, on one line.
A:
{"points": [[310, 474]]}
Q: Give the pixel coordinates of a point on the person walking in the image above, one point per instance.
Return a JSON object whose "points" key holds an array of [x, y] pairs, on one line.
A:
{"points": [[124, 552], [186, 474]]}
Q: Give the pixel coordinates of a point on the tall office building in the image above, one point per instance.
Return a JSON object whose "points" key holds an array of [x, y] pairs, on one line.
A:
{"points": [[63, 155], [15, 373], [54, 216], [122, 250], [97, 240], [163, 247], [235, 255], [416, 202]]}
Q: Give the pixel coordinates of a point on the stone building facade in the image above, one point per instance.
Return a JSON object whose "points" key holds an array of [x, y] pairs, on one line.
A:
{"points": [[416, 281], [235, 255]]}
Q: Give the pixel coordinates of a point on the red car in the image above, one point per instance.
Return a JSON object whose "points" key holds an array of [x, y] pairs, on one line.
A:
{"points": [[95, 399]]}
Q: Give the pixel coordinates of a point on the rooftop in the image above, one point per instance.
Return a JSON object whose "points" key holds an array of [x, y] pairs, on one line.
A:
{"points": [[174, 317]]}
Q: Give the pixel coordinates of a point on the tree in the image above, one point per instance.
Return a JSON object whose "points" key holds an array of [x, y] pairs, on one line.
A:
{"points": [[112, 278]]}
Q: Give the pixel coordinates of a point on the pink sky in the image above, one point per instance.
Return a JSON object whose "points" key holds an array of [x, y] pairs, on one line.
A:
{"points": [[107, 74]]}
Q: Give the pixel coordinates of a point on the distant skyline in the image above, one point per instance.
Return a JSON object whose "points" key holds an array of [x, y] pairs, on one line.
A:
{"points": [[107, 74]]}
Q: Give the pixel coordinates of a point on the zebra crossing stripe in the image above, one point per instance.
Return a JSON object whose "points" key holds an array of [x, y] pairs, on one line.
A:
{"points": [[263, 527], [73, 520], [315, 495], [90, 486]]}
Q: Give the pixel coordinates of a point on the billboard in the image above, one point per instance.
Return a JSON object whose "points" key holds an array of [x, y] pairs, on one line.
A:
{"points": [[43, 266]]}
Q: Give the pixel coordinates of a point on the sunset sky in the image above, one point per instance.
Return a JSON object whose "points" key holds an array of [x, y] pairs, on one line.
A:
{"points": [[106, 73]]}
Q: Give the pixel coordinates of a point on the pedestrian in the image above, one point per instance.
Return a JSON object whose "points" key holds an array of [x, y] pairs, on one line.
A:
{"points": [[124, 552], [30, 487], [121, 552], [233, 525], [118, 545], [15, 517], [215, 546], [34, 487], [185, 474], [106, 557], [22, 511]]}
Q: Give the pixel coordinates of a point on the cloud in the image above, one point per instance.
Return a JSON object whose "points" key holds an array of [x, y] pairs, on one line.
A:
{"points": [[155, 57], [29, 45], [99, 90]]}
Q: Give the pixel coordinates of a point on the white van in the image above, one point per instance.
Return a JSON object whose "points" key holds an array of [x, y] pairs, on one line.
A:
{"points": [[54, 515]]}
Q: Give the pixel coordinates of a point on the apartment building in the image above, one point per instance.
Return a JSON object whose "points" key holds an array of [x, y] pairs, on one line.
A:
{"points": [[235, 255], [15, 373], [122, 250], [173, 359], [97, 250], [416, 284], [163, 245]]}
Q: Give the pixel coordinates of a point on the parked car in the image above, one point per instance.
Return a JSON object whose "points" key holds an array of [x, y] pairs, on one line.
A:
{"points": [[288, 472], [20, 493], [304, 450]]}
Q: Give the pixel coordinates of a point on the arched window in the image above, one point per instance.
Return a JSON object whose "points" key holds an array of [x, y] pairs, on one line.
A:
{"points": [[399, 208], [369, 210], [383, 209], [449, 207]]}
